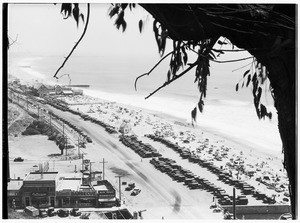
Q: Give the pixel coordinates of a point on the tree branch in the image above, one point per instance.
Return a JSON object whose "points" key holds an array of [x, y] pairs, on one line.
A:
{"points": [[175, 78], [13, 40], [148, 73], [74, 47]]}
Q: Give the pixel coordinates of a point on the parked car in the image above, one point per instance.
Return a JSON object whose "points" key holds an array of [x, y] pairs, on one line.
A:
{"points": [[213, 206], [217, 210], [130, 186], [51, 212], [135, 191], [18, 159], [89, 140], [42, 213], [286, 216], [63, 213], [75, 212]]}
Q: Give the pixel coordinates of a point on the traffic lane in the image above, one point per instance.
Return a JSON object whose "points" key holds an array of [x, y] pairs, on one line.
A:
{"points": [[160, 185]]}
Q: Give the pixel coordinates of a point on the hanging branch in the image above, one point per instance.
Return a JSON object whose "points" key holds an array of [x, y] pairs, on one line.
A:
{"points": [[175, 78], [13, 41], [148, 73], [74, 47]]}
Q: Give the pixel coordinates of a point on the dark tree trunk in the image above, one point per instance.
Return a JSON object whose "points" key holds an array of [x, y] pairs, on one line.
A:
{"points": [[275, 49], [282, 78]]}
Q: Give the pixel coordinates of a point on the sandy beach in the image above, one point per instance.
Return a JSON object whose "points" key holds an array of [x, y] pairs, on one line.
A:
{"points": [[223, 152], [231, 149]]}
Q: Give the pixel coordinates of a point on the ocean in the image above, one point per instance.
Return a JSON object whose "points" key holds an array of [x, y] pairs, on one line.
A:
{"points": [[226, 112]]}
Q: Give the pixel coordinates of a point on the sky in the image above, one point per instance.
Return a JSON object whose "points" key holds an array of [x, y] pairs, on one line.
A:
{"points": [[41, 30]]}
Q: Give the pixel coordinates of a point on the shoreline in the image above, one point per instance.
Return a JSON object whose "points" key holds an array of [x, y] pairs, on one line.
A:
{"points": [[210, 131]]}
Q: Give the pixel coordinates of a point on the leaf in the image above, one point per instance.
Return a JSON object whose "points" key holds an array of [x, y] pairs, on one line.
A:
{"points": [[76, 13], [247, 72], [201, 105], [259, 91], [124, 25], [140, 25], [237, 87], [185, 57], [169, 75], [113, 11], [162, 46], [263, 111], [212, 55], [254, 78], [66, 9], [248, 81], [124, 5], [82, 17], [194, 114]]}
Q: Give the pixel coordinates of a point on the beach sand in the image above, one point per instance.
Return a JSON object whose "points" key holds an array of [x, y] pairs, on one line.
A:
{"points": [[262, 161], [141, 122]]}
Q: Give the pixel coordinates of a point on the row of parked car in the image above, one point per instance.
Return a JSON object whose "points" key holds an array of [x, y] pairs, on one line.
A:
{"points": [[224, 176], [50, 212], [192, 181], [110, 129], [58, 105], [142, 149], [74, 127]]}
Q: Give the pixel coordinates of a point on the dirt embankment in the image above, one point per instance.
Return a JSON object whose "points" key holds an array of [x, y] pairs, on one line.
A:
{"points": [[18, 120]]}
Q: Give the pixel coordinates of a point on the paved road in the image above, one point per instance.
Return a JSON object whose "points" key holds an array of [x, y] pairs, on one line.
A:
{"points": [[161, 196]]}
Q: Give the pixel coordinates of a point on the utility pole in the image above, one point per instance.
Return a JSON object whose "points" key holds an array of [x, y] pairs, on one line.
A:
{"points": [[233, 203], [50, 123], [63, 129], [91, 171], [38, 107], [27, 102], [66, 145], [78, 147], [103, 167], [119, 186]]}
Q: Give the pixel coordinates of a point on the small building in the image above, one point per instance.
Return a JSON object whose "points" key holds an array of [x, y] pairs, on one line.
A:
{"points": [[77, 91], [106, 194], [44, 90], [125, 128], [71, 193], [62, 89], [39, 189], [14, 199], [67, 92]]}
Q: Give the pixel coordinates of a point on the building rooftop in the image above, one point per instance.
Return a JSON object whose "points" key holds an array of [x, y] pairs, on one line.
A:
{"points": [[72, 184], [100, 187], [14, 185], [41, 176], [67, 92]]}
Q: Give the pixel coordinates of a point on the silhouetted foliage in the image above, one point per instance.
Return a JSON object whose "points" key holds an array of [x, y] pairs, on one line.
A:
{"points": [[266, 31]]}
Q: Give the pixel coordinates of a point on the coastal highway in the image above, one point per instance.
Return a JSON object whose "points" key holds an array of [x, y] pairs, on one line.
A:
{"points": [[160, 196]]}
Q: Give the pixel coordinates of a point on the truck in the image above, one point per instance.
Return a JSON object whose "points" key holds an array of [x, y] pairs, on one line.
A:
{"points": [[32, 211], [51, 212], [130, 186], [75, 212], [42, 213], [135, 192]]}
